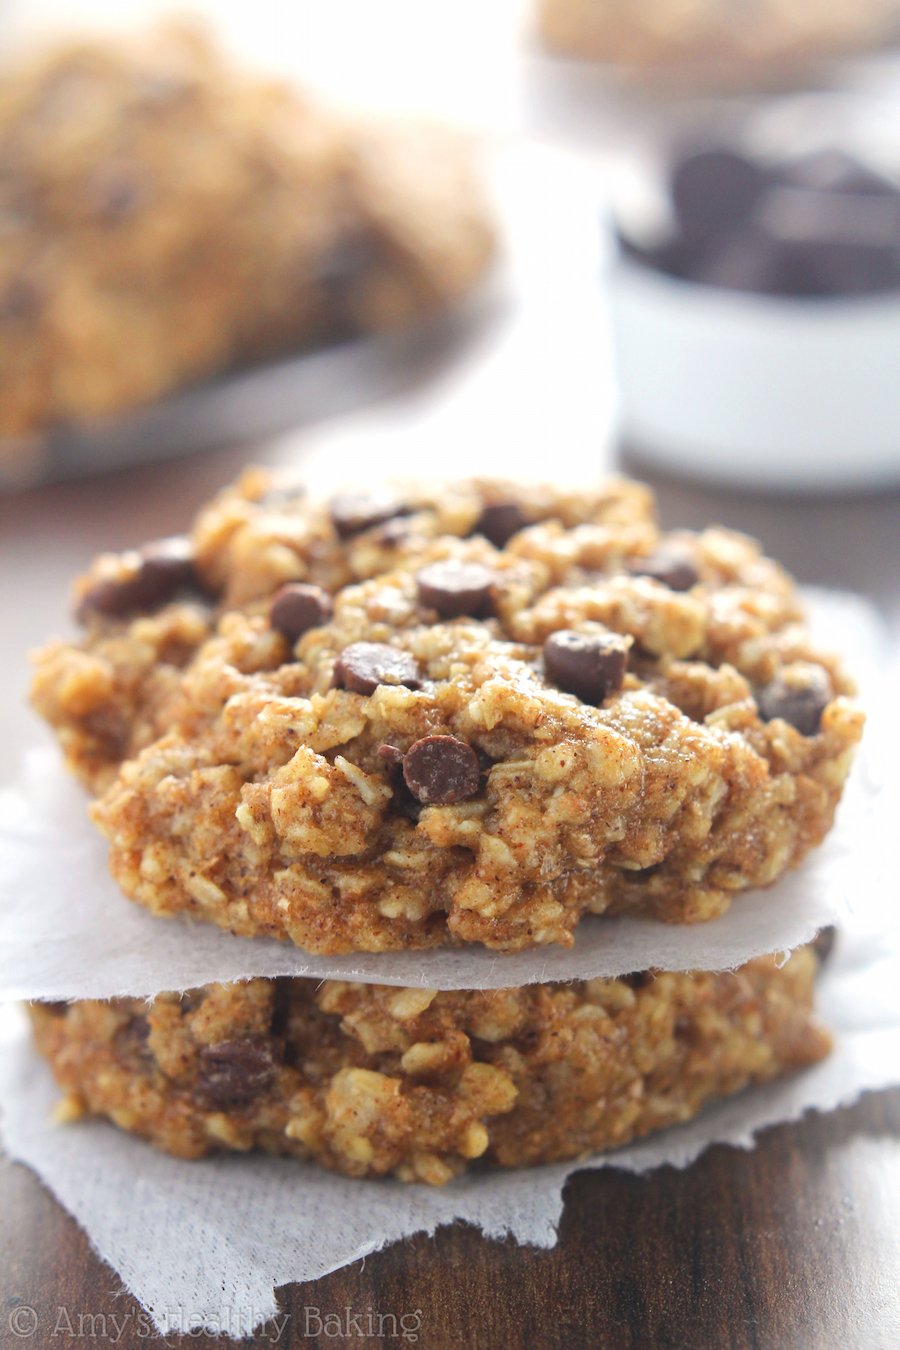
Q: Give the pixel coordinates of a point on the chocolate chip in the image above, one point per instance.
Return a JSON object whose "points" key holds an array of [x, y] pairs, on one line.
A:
{"points": [[713, 189], [821, 225], [500, 522], [800, 702], [297, 608], [164, 568], [354, 513], [131, 1041], [439, 770], [823, 943], [453, 588], [638, 979], [232, 1073], [590, 665], [670, 566], [363, 666], [403, 802], [749, 261]]}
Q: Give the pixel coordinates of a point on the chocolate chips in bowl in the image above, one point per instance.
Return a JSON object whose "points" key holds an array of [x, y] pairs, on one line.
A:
{"points": [[755, 327], [823, 224]]}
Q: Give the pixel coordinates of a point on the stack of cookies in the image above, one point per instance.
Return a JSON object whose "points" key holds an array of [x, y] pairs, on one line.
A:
{"points": [[479, 715]]}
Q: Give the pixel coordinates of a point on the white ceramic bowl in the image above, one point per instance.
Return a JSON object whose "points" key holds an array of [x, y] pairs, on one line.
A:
{"points": [[759, 391]]}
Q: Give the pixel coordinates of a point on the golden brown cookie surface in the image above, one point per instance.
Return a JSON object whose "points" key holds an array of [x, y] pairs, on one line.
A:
{"points": [[369, 1080], [466, 715]]}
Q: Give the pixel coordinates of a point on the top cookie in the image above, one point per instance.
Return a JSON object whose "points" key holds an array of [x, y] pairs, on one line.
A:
{"points": [[464, 715], [166, 217]]}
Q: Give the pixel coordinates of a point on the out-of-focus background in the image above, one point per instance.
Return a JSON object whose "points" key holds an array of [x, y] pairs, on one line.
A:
{"points": [[694, 274]]}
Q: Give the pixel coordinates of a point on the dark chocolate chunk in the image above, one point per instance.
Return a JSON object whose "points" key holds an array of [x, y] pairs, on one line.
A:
{"points": [[800, 701], [590, 665], [439, 770], [500, 522], [164, 569], [669, 565], [232, 1073], [392, 532], [712, 190], [298, 607], [363, 666], [354, 513], [454, 588]]}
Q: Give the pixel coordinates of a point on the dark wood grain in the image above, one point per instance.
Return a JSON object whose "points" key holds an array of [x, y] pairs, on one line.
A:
{"points": [[793, 1246]]}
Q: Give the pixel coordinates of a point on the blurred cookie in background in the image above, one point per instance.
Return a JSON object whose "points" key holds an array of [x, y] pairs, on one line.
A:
{"points": [[717, 42], [165, 217]]}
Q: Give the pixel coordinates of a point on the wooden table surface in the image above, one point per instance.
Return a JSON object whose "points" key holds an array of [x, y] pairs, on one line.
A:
{"points": [[793, 1246]]}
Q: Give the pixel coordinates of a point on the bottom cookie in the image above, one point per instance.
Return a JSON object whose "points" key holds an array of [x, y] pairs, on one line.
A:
{"points": [[368, 1079]]}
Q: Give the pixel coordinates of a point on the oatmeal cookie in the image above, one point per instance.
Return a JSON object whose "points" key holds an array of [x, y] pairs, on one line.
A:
{"points": [[166, 217], [371, 1080], [759, 41], [465, 715]]}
